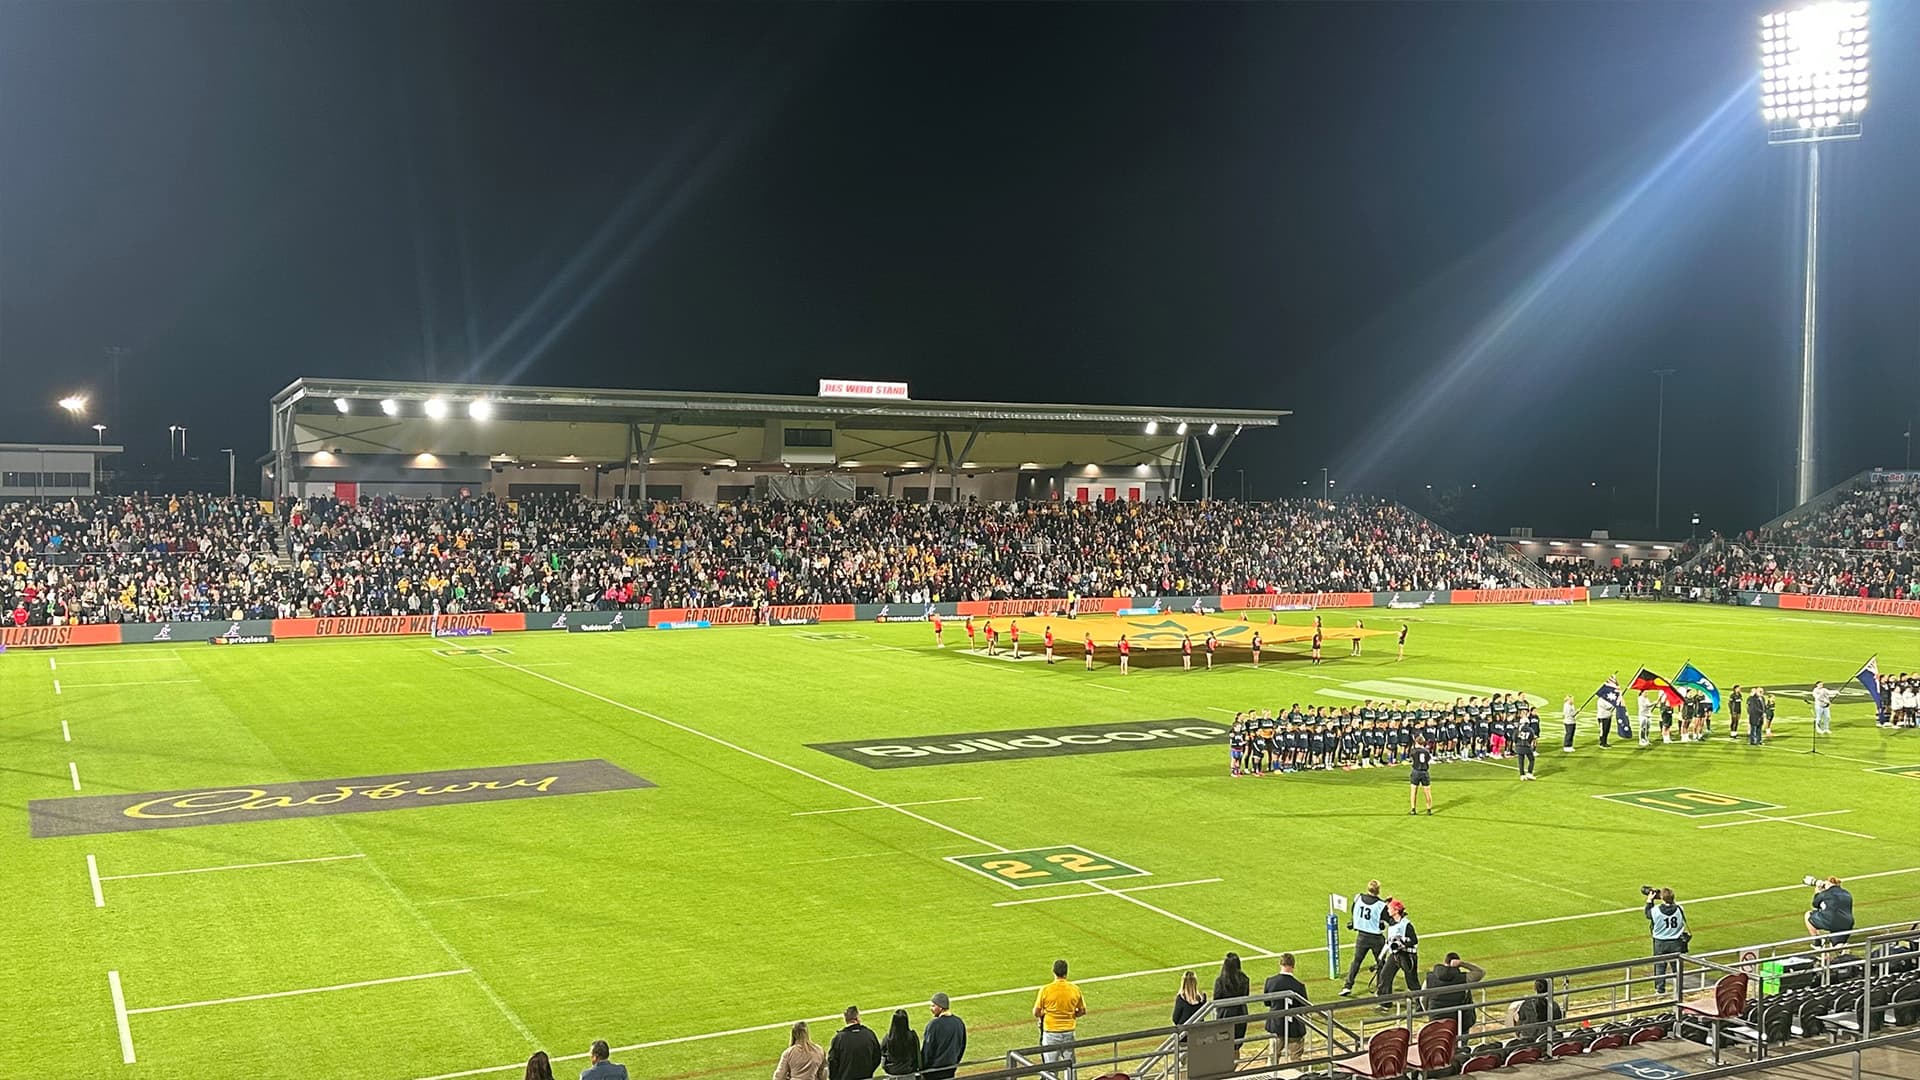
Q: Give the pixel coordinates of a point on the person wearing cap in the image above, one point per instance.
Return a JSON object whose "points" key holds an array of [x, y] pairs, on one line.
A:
{"points": [[943, 1044], [602, 1069]]}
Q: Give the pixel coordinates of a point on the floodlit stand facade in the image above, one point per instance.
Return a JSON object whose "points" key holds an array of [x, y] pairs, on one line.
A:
{"points": [[1813, 89]]}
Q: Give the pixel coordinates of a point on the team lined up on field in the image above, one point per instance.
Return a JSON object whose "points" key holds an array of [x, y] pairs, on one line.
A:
{"points": [[1208, 646], [1380, 734]]}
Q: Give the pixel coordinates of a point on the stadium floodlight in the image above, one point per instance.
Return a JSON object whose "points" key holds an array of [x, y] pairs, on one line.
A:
{"points": [[343, 405], [1153, 426], [1182, 429], [74, 403], [435, 408], [1213, 429], [390, 406], [480, 410], [1813, 89]]}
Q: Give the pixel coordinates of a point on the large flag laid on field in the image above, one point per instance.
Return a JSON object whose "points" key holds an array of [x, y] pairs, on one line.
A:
{"points": [[1647, 680], [1692, 678], [1869, 676]]}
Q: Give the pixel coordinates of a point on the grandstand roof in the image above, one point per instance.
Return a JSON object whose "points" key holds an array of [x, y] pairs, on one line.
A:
{"points": [[668, 427]]}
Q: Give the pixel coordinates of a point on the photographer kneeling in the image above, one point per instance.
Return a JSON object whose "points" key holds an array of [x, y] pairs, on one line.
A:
{"points": [[1670, 937], [1832, 916]]}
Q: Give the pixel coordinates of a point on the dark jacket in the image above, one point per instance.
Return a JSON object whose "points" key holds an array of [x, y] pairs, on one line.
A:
{"points": [[1535, 1014], [942, 1046], [1184, 1010], [854, 1053], [1297, 1026], [1450, 985], [1222, 988], [604, 1070], [900, 1057]]}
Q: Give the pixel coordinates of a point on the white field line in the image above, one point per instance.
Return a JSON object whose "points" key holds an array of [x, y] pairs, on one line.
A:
{"points": [[234, 866], [172, 656], [1807, 825], [73, 769], [885, 806], [1084, 895], [51, 666], [1115, 689], [93, 878], [139, 682], [1218, 709], [65, 734], [861, 795], [1759, 819], [1510, 875], [56, 686], [483, 896], [783, 1024], [298, 993], [120, 1017]]}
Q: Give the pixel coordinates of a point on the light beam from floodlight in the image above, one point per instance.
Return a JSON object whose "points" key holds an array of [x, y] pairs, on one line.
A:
{"points": [[1153, 426], [435, 408], [481, 409], [342, 404], [1813, 89], [74, 403], [389, 406]]}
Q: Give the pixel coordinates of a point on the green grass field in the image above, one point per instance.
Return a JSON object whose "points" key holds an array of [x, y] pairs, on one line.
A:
{"points": [[696, 918]]}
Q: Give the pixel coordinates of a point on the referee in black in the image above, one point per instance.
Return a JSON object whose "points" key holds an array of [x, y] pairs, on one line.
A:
{"points": [[1420, 779], [1368, 919]]}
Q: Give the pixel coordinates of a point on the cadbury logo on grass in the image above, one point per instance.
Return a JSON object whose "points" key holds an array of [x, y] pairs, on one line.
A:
{"points": [[1025, 743], [82, 815]]}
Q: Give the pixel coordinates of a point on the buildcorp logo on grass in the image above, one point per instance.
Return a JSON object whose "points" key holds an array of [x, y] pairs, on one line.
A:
{"points": [[85, 814], [1035, 742]]}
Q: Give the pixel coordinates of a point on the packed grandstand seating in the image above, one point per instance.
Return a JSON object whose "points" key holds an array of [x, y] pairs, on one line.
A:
{"points": [[1856, 545], [146, 559]]}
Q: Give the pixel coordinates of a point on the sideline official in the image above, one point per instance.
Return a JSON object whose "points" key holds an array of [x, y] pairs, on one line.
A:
{"points": [[1670, 937], [1369, 921]]}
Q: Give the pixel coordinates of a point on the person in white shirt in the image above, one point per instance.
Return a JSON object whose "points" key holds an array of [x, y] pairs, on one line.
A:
{"points": [[1646, 718], [1822, 709], [1570, 718]]}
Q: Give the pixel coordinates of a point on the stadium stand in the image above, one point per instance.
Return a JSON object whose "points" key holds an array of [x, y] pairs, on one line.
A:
{"points": [[149, 559]]}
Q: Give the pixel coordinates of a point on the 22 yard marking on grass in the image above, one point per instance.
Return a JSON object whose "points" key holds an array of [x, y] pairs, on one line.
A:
{"points": [[1688, 802], [1040, 868]]}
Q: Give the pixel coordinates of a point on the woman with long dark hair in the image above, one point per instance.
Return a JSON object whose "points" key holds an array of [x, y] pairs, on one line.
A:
{"points": [[1232, 983], [900, 1050], [538, 1067]]}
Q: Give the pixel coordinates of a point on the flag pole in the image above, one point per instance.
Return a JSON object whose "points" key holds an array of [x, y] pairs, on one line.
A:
{"points": [[1596, 692]]}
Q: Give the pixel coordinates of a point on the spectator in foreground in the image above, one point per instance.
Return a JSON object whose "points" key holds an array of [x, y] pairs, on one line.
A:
{"points": [[944, 1045], [900, 1050], [1232, 983], [1449, 979], [602, 1069], [1059, 1008], [1535, 1016], [854, 1053], [1291, 1032], [539, 1067], [1189, 1001], [802, 1059]]}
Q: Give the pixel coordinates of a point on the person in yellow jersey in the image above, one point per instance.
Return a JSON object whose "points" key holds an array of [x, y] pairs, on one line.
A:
{"points": [[1059, 1009]]}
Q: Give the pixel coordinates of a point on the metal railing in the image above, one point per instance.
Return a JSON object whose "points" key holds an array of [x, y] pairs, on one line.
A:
{"points": [[1619, 994]]}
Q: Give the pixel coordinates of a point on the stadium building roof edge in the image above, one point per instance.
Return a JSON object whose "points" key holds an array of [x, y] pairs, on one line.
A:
{"points": [[347, 430], [644, 404]]}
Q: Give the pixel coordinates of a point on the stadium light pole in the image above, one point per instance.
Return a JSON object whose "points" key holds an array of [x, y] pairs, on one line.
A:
{"points": [[1813, 89], [1659, 445], [229, 452], [99, 434]]}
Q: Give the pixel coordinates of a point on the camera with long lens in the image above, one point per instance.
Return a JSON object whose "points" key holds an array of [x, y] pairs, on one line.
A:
{"points": [[1819, 884], [1654, 890]]}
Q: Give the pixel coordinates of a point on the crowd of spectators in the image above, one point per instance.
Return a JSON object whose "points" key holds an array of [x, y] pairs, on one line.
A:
{"points": [[1861, 544], [146, 559]]}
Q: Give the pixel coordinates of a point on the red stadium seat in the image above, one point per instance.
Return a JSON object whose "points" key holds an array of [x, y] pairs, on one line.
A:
{"points": [[1385, 1059], [1436, 1043]]}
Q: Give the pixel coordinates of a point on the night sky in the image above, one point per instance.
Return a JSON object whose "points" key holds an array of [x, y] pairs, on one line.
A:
{"points": [[1454, 238]]}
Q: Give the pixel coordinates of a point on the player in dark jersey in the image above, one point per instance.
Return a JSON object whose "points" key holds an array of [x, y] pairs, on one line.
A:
{"points": [[1316, 639], [1403, 643], [1256, 648], [1420, 778], [1236, 743], [1526, 739], [1186, 652], [1212, 644]]}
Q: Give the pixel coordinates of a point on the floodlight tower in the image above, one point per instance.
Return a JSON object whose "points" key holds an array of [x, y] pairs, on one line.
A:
{"points": [[1813, 89]]}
